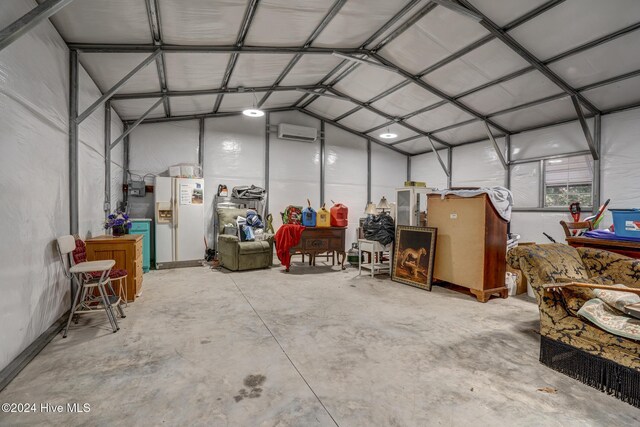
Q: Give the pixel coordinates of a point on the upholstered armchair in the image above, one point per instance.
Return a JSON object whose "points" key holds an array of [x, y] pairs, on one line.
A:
{"points": [[573, 345], [236, 255]]}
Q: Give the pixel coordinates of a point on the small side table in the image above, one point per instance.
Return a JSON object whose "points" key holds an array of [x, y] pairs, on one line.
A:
{"points": [[373, 248]]}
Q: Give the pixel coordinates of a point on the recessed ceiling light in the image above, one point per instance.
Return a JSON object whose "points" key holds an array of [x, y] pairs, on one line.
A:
{"points": [[388, 135], [253, 112]]}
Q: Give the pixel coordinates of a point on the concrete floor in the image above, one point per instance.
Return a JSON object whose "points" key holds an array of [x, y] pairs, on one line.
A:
{"points": [[317, 346]]}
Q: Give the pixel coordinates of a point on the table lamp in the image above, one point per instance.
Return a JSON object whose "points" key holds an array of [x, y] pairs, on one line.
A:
{"points": [[371, 209], [384, 205]]}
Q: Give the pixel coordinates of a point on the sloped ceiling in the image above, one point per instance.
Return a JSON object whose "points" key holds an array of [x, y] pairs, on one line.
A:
{"points": [[415, 67]]}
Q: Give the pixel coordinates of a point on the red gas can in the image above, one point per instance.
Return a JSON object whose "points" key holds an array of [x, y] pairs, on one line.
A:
{"points": [[339, 215]]}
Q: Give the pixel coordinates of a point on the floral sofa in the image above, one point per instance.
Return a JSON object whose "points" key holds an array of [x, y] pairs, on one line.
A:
{"points": [[571, 344]]}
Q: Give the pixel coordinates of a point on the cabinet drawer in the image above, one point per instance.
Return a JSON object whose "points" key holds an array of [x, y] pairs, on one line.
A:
{"points": [[317, 244]]}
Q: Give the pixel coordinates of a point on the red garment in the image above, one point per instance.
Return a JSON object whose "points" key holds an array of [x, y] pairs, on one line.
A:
{"points": [[287, 237]]}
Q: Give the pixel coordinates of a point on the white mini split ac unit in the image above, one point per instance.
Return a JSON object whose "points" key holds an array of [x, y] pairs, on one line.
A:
{"points": [[297, 133]]}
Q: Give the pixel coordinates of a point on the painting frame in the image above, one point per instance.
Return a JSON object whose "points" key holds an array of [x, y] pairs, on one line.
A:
{"points": [[408, 249]]}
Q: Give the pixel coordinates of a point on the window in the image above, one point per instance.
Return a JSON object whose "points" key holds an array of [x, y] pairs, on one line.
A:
{"points": [[568, 180]]}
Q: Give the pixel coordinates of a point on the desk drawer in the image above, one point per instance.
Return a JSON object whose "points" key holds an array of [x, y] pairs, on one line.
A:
{"points": [[317, 244]]}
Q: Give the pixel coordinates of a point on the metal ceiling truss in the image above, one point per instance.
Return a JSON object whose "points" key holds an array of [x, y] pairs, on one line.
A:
{"points": [[111, 92], [22, 25], [49, 7], [201, 92], [155, 25], [527, 56], [333, 11], [242, 34], [135, 124], [526, 70], [387, 116], [456, 55], [219, 114], [395, 33]]}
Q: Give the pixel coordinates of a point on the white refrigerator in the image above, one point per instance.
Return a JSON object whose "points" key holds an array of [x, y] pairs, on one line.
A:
{"points": [[179, 211]]}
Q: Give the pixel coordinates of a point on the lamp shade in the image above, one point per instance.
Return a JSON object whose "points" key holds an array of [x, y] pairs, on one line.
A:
{"points": [[371, 209], [384, 204]]}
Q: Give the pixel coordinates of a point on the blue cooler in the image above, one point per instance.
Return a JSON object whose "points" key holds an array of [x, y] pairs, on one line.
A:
{"points": [[626, 222]]}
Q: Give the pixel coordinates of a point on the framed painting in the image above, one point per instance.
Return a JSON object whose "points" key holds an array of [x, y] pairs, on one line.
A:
{"points": [[413, 256]]}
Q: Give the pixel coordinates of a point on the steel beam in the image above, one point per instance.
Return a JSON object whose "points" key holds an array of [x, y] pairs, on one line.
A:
{"points": [[136, 123], [74, 194], [242, 34], [585, 128], [107, 159], [409, 168], [446, 170], [450, 166], [597, 130], [507, 178], [527, 56], [322, 161], [22, 25], [187, 117], [354, 132], [179, 48], [125, 169], [496, 146], [368, 171], [266, 161], [199, 92], [108, 94], [201, 144], [155, 25]]}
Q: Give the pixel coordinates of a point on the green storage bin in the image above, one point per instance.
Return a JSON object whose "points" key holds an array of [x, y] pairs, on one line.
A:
{"points": [[143, 226]]}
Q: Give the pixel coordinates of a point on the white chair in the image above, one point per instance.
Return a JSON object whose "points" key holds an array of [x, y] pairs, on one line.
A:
{"points": [[86, 280]]}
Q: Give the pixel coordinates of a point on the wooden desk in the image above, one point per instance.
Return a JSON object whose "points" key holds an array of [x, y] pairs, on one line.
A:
{"points": [[127, 253], [316, 240], [630, 249]]}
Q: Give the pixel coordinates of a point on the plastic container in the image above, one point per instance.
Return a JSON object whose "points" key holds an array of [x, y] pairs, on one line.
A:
{"points": [[323, 218], [626, 222], [309, 216], [339, 215]]}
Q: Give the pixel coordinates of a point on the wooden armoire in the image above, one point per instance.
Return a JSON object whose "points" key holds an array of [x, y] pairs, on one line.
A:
{"points": [[471, 243]]}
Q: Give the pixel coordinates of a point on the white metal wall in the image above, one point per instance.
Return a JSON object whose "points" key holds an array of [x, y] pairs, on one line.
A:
{"points": [[294, 167], [388, 172], [426, 168], [234, 150], [34, 179], [477, 165], [346, 174]]}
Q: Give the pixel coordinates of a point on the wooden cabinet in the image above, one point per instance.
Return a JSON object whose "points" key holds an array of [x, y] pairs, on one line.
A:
{"points": [[317, 240], [471, 244], [127, 253]]}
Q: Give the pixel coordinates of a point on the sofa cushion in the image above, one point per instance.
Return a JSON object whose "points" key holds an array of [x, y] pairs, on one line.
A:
{"points": [[548, 263], [228, 216], [611, 320], [620, 268], [254, 247]]}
